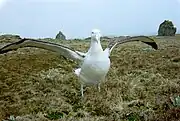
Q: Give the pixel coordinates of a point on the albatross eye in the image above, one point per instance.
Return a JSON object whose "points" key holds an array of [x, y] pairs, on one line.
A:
{"points": [[92, 32]]}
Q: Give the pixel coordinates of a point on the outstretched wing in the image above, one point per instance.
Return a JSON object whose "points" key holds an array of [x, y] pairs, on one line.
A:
{"points": [[57, 48], [81, 53], [144, 39]]}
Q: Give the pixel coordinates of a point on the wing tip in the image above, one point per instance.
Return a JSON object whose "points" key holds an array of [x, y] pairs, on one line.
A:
{"points": [[5, 49], [153, 45]]}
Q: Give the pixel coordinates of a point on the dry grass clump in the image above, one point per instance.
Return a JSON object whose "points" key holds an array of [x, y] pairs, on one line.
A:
{"points": [[142, 84]]}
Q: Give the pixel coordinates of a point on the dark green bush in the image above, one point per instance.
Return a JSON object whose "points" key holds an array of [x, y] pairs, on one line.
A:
{"points": [[60, 36], [166, 28]]}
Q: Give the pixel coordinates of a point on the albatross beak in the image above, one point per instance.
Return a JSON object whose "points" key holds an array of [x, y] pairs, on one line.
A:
{"points": [[97, 36]]}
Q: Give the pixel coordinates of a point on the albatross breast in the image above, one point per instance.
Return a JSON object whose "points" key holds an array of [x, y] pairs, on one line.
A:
{"points": [[94, 68]]}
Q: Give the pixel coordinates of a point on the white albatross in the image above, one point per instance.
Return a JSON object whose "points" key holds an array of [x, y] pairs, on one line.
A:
{"points": [[95, 63]]}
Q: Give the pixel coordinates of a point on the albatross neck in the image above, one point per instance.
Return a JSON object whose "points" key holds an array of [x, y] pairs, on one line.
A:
{"points": [[95, 46]]}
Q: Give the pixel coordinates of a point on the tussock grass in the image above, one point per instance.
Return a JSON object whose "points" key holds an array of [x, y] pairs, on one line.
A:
{"points": [[142, 84]]}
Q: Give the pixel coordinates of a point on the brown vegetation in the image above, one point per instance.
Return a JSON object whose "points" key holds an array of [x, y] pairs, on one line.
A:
{"points": [[142, 83]]}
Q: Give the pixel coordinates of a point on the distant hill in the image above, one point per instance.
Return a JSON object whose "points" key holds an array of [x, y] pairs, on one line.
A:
{"points": [[9, 38]]}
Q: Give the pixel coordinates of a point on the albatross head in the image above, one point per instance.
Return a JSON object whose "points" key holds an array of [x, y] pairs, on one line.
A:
{"points": [[96, 35]]}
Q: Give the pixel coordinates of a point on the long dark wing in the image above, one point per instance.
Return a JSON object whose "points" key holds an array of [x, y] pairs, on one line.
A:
{"points": [[144, 39], [57, 48]]}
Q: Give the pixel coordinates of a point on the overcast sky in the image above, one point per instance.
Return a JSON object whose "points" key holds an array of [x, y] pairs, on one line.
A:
{"points": [[76, 18]]}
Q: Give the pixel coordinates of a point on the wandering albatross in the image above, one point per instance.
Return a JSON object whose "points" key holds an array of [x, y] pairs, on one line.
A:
{"points": [[95, 63]]}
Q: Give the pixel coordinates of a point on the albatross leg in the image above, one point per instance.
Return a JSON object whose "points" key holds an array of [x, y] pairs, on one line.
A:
{"points": [[82, 90], [99, 87]]}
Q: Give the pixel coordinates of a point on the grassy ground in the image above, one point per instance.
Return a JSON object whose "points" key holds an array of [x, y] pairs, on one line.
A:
{"points": [[142, 84]]}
